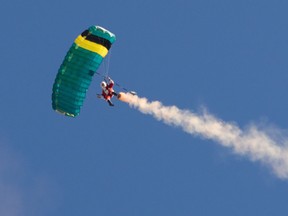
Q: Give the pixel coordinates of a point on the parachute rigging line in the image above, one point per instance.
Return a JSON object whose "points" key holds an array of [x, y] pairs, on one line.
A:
{"points": [[107, 64]]}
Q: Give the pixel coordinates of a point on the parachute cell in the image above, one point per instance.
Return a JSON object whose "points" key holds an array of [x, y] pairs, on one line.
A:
{"points": [[77, 69]]}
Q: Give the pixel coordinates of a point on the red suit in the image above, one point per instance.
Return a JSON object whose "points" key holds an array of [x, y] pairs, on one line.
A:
{"points": [[107, 91]]}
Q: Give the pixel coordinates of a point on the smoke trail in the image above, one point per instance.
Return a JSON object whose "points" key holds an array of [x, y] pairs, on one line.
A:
{"points": [[252, 142]]}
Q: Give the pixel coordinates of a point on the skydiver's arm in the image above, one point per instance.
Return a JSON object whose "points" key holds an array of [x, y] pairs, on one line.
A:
{"points": [[110, 82]]}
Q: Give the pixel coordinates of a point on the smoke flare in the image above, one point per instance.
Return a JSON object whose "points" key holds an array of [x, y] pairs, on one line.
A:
{"points": [[257, 145]]}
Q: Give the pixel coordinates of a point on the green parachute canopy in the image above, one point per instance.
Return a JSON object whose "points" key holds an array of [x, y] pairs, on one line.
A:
{"points": [[77, 69]]}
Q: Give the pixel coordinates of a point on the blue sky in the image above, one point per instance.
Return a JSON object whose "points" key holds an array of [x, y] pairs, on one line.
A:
{"points": [[227, 56]]}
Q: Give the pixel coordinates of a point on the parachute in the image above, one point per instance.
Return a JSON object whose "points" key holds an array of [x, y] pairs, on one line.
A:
{"points": [[77, 69]]}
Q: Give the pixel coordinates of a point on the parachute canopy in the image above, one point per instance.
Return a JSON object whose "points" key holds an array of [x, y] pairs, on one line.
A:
{"points": [[77, 69]]}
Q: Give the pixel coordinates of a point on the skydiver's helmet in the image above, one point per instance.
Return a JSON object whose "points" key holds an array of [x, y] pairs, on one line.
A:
{"points": [[103, 84]]}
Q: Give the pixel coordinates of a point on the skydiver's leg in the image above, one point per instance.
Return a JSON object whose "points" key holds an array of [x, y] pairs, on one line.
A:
{"points": [[114, 93], [110, 103]]}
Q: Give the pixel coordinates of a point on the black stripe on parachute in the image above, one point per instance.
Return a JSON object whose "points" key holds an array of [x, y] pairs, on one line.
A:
{"points": [[99, 40]]}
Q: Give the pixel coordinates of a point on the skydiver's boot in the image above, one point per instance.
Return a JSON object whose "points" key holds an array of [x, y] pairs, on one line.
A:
{"points": [[115, 94], [110, 103]]}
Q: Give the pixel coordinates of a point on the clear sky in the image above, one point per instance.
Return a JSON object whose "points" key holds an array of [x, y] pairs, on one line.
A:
{"points": [[229, 56]]}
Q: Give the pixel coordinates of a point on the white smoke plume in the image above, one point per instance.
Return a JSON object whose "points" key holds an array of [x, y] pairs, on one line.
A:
{"points": [[257, 145]]}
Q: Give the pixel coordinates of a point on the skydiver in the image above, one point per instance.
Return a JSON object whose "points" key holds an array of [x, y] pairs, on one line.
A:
{"points": [[107, 91]]}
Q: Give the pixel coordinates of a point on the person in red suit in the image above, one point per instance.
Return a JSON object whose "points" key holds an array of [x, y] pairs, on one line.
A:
{"points": [[107, 90]]}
